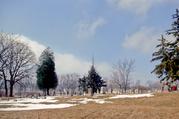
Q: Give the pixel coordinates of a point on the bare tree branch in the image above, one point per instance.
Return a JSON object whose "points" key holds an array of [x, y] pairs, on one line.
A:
{"points": [[121, 73]]}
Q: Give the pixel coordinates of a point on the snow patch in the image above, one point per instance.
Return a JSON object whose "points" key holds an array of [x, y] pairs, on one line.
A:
{"points": [[50, 102], [32, 104], [19, 107], [86, 100], [29, 100], [132, 96]]}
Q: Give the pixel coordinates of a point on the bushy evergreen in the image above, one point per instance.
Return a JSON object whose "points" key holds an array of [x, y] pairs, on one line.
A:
{"points": [[168, 54], [46, 75], [92, 81], [83, 84]]}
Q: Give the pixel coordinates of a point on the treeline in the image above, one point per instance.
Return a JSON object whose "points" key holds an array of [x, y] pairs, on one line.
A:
{"points": [[20, 70]]}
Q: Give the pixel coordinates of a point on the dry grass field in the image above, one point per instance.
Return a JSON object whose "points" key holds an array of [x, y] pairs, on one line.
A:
{"points": [[161, 106]]}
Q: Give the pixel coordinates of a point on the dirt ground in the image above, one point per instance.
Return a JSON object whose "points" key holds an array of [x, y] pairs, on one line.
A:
{"points": [[161, 106]]}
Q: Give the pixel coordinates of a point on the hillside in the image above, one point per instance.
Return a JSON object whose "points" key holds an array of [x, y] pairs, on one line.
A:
{"points": [[161, 106]]}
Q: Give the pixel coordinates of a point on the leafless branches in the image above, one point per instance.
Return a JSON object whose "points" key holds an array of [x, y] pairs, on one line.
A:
{"points": [[69, 83], [122, 72], [16, 61]]}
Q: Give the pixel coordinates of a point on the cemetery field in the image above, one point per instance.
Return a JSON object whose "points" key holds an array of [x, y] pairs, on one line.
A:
{"points": [[159, 106]]}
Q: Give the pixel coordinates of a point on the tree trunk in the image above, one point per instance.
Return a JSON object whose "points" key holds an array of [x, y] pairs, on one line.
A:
{"points": [[111, 90], [48, 92], [11, 90], [44, 92], [5, 84], [6, 89], [92, 91], [99, 90], [125, 90]]}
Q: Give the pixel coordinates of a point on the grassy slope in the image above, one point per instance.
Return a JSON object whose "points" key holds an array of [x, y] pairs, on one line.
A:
{"points": [[162, 106]]}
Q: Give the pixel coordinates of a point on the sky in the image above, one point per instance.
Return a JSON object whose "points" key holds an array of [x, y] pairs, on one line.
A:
{"points": [[77, 30]]}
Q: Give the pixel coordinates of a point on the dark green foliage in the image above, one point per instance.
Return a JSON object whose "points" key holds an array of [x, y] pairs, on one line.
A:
{"points": [[46, 75], [162, 55], [174, 48], [83, 84], [92, 81], [168, 54]]}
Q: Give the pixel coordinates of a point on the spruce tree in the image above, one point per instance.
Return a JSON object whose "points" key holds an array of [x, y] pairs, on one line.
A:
{"points": [[94, 81], [162, 55], [46, 75], [83, 84], [174, 47], [168, 54]]}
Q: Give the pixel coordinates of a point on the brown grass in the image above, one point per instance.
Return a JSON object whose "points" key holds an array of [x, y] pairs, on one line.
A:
{"points": [[161, 106]]}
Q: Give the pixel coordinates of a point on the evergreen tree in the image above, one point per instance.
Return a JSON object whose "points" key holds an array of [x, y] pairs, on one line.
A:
{"points": [[174, 47], [46, 75], [168, 54], [162, 55], [94, 81], [83, 84]]}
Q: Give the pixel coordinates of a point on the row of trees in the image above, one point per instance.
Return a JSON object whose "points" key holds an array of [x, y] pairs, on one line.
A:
{"points": [[68, 84], [168, 55], [18, 66]]}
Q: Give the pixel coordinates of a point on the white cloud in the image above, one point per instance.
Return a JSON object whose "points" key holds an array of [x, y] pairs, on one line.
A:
{"points": [[143, 40], [88, 29], [140, 7], [34, 45], [68, 63]]}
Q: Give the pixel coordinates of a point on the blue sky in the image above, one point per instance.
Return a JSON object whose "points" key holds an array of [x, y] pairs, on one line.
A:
{"points": [[77, 29]]}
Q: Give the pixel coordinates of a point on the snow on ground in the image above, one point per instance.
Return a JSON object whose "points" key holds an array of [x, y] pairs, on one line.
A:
{"points": [[50, 102], [32, 104], [19, 107], [132, 96], [86, 100], [29, 100], [102, 101]]}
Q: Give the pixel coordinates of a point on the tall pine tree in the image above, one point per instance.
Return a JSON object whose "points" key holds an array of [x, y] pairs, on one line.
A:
{"points": [[94, 81], [168, 54], [174, 47], [46, 75], [83, 85], [162, 55]]}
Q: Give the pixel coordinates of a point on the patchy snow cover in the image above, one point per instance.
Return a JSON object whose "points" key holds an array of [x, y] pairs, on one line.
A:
{"points": [[32, 104], [49, 102], [132, 96], [86, 100], [29, 100], [19, 107]]}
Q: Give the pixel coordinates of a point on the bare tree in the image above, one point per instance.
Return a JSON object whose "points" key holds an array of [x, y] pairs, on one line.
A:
{"points": [[16, 61], [5, 42], [20, 64], [116, 80], [111, 85], [122, 72], [69, 83]]}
